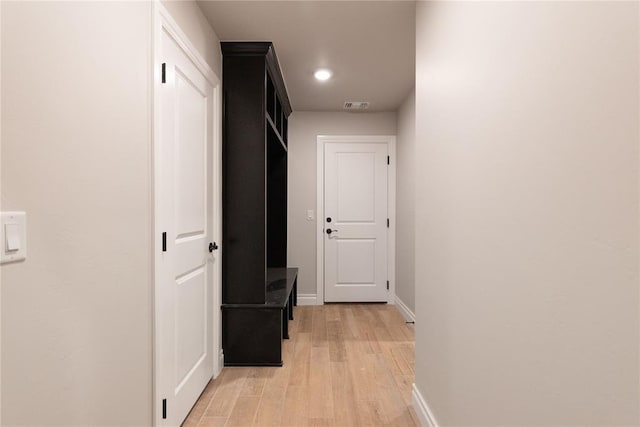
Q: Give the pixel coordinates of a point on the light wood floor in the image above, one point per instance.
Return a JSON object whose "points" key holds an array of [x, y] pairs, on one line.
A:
{"points": [[345, 365]]}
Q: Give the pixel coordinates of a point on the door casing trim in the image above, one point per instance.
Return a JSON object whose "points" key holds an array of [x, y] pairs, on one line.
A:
{"points": [[390, 140]]}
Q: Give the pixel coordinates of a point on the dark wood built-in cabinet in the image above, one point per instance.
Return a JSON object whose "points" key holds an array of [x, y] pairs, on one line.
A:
{"points": [[258, 290]]}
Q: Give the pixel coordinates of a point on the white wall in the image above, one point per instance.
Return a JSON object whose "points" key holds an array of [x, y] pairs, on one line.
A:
{"points": [[76, 145], [527, 207], [405, 201], [0, 209], [304, 127]]}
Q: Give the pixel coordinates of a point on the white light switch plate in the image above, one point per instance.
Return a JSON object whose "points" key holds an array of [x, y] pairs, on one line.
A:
{"points": [[13, 237], [310, 215]]}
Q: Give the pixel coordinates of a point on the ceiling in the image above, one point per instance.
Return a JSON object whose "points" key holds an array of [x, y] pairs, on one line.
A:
{"points": [[369, 46]]}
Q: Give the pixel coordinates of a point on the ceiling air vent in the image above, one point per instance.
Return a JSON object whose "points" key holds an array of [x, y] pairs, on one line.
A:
{"points": [[354, 105]]}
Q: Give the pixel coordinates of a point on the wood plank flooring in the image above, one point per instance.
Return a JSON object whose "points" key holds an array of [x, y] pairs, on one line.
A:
{"points": [[345, 365]]}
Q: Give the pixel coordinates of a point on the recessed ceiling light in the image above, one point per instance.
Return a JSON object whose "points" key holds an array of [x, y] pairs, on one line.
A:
{"points": [[323, 74]]}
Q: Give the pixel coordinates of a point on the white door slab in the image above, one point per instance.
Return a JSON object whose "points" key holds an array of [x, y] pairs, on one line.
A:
{"points": [[355, 211], [184, 320]]}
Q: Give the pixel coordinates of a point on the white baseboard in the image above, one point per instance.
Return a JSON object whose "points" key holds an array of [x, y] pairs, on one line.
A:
{"points": [[408, 315], [308, 299], [220, 363], [425, 416]]}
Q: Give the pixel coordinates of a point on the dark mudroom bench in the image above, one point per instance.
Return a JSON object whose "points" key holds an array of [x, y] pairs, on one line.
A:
{"points": [[253, 333]]}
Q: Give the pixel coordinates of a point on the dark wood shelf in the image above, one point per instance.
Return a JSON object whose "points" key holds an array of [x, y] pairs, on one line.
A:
{"points": [[258, 290]]}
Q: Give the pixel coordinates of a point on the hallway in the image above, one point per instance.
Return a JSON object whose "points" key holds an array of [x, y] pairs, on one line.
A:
{"points": [[345, 365]]}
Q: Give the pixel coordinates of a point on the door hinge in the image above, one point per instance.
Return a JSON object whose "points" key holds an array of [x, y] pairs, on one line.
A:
{"points": [[387, 285], [164, 242], [388, 160], [387, 222], [164, 72], [164, 409]]}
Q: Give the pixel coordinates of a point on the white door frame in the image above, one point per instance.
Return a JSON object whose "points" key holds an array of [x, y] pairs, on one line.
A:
{"points": [[390, 140], [163, 21]]}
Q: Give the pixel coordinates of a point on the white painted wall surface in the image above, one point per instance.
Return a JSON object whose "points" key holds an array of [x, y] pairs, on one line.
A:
{"points": [[76, 319], [527, 209], [1, 204], [405, 201], [76, 145], [304, 127]]}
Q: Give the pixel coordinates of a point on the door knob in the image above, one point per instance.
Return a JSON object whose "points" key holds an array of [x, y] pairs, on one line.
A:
{"points": [[212, 247], [329, 231]]}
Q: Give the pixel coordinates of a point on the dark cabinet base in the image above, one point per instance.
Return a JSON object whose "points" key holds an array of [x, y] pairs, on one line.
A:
{"points": [[252, 334]]}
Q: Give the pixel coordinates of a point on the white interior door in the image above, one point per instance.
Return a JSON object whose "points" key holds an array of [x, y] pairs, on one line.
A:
{"points": [[355, 222], [184, 318]]}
